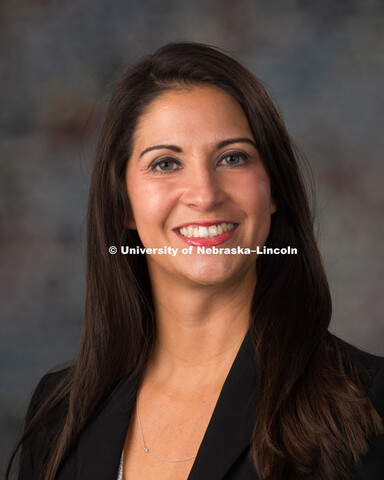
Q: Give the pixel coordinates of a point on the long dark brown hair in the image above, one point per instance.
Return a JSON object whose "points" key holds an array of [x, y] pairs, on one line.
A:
{"points": [[313, 415]]}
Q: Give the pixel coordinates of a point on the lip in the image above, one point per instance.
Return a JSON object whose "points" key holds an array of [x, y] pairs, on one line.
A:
{"points": [[207, 242], [206, 224]]}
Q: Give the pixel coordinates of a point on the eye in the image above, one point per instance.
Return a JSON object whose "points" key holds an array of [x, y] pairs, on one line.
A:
{"points": [[164, 165], [234, 159]]}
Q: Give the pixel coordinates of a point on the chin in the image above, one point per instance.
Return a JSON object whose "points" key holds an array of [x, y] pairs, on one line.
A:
{"points": [[209, 274]]}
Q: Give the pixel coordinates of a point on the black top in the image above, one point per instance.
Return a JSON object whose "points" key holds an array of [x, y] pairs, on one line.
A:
{"points": [[224, 451]]}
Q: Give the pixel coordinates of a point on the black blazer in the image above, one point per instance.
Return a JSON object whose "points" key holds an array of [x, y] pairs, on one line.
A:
{"points": [[224, 451]]}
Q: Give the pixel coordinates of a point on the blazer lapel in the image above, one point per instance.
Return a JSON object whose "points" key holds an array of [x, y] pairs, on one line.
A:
{"points": [[230, 429], [101, 444], [227, 437]]}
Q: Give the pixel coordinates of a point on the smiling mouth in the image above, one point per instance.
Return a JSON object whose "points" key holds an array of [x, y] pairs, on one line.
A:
{"points": [[211, 231]]}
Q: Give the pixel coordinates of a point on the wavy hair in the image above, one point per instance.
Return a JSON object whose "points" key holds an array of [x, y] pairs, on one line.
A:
{"points": [[313, 415]]}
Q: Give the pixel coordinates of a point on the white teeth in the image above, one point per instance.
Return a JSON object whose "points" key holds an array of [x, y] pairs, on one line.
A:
{"points": [[212, 231], [206, 232]]}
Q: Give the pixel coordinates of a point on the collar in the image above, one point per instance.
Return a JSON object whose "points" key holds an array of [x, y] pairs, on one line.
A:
{"points": [[227, 437]]}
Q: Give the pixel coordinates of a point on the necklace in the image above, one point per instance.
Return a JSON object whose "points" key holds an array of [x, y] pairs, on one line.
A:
{"points": [[146, 450]]}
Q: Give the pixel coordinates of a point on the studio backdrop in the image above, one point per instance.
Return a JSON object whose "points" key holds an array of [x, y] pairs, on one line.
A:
{"points": [[321, 62]]}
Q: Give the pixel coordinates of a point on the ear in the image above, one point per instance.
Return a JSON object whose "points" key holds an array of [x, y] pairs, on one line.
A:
{"points": [[273, 206], [129, 222]]}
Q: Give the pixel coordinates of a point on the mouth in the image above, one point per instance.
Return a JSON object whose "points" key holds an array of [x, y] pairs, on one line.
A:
{"points": [[206, 233]]}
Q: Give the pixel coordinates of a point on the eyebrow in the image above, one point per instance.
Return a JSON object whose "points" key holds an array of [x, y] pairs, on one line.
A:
{"points": [[158, 147], [221, 144], [224, 143]]}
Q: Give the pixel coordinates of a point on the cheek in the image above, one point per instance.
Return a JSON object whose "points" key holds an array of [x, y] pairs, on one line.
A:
{"points": [[150, 201], [254, 194]]}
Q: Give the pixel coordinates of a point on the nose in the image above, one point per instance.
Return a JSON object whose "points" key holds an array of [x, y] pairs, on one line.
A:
{"points": [[203, 190]]}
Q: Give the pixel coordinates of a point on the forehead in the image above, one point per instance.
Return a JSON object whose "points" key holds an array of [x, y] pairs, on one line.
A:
{"points": [[202, 114]]}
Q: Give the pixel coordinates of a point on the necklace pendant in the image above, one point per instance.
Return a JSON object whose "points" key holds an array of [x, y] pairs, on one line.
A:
{"points": [[145, 449]]}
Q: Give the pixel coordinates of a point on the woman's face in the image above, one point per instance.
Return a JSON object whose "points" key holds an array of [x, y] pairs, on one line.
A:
{"points": [[195, 165]]}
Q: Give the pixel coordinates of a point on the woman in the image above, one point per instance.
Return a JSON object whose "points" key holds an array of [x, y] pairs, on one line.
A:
{"points": [[203, 365]]}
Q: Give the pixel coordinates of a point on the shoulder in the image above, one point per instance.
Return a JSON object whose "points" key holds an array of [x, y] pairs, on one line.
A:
{"points": [[373, 363], [371, 370], [46, 385], [38, 428]]}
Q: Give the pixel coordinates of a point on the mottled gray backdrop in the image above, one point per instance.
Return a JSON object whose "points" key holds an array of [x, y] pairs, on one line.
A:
{"points": [[322, 62]]}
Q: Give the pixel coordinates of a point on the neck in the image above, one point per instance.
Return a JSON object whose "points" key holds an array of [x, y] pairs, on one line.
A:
{"points": [[199, 328]]}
